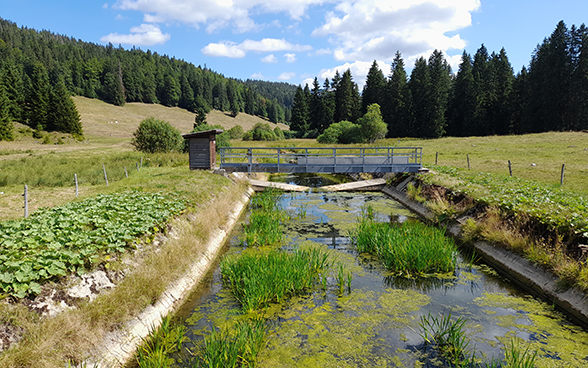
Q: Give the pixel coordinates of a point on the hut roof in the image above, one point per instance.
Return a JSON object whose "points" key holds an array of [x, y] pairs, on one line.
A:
{"points": [[202, 134]]}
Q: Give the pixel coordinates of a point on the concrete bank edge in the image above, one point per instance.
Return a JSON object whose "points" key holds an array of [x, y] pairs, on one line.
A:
{"points": [[120, 346], [518, 269]]}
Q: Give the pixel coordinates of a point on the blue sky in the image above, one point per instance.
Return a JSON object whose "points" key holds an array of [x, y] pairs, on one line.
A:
{"points": [[295, 40]]}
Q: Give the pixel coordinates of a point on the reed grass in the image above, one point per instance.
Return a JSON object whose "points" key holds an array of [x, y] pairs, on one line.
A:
{"points": [[448, 337], [157, 348], [408, 249], [237, 348], [260, 278], [265, 220]]}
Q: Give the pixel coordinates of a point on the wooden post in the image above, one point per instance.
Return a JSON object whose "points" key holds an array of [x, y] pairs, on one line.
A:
{"points": [[105, 177], [563, 168], [468, 156], [141, 162], [509, 168], [436, 157], [76, 181], [137, 166], [26, 201], [126, 173]]}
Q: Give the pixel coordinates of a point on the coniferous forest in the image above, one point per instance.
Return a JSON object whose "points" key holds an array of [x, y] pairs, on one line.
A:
{"points": [[484, 97], [40, 70]]}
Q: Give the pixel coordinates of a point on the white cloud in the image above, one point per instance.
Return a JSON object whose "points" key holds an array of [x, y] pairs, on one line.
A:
{"points": [[143, 35], [233, 50], [270, 59], [286, 76], [359, 71], [290, 58], [216, 14], [105, 6], [376, 29]]}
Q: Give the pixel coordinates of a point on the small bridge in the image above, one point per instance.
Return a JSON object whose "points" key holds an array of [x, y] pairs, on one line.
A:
{"points": [[321, 160]]}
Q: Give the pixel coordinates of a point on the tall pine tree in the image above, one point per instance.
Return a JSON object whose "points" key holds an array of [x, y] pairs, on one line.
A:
{"points": [[397, 106], [374, 89]]}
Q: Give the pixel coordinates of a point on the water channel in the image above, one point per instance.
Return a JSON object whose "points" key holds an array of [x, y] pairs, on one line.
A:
{"points": [[375, 323]]}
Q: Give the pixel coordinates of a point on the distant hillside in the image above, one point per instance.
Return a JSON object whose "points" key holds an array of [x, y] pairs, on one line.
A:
{"points": [[100, 119]]}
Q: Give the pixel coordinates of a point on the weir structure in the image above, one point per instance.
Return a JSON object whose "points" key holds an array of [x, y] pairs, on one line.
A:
{"points": [[336, 160]]}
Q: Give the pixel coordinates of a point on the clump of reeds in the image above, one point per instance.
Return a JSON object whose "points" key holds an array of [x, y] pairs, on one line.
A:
{"points": [[156, 349], [410, 248], [258, 279], [447, 335], [265, 220], [233, 348]]}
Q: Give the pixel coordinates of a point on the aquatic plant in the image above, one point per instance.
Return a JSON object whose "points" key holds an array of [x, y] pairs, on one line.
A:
{"points": [[156, 349], [410, 248], [258, 279], [265, 220], [447, 335], [233, 348]]}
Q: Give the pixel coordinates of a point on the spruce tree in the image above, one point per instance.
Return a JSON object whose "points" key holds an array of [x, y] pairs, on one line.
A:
{"points": [[300, 112], [500, 111], [14, 88], [397, 106], [37, 98], [463, 100], [483, 92], [347, 99], [64, 116], [440, 74], [423, 107], [6, 126], [374, 89]]}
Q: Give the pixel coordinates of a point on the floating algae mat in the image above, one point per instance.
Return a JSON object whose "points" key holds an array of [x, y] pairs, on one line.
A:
{"points": [[375, 322]]}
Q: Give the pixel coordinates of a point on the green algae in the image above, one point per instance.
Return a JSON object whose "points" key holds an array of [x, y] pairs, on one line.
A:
{"points": [[342, 333], [557, 342]]}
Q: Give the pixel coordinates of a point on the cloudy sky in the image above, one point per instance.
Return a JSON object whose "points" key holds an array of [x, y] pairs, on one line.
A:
{"points": [[295, 40]]}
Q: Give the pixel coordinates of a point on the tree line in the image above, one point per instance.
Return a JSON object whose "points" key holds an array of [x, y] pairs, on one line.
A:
{"points": [[484, 97], [39, 70]]}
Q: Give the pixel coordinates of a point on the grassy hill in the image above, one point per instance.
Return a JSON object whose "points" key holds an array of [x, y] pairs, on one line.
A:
{"points": [[100, 119]]}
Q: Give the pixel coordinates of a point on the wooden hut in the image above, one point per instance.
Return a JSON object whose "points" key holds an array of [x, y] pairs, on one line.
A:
{"points": [[202, 149]]}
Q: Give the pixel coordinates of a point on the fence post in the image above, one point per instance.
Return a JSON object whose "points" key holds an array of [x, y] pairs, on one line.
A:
{"points": [[509, 168], [563, 168], [436, 157], [26, 201], [76, 181], [105, 177], [468, 156], [126, 173], [141, 162], [137, 166]]}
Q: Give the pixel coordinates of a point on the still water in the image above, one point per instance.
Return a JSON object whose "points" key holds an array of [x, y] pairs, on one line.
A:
{"points": [[375, 323]]}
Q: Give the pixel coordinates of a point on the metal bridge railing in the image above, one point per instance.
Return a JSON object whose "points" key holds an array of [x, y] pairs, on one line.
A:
{"points": [[328, 160]]}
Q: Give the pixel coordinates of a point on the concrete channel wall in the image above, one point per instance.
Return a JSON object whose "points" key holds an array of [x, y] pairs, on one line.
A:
{"points": [[120, 346]]}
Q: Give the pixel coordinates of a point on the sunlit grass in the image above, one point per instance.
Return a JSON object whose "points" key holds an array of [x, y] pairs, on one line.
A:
{"points": [[407, 249]]}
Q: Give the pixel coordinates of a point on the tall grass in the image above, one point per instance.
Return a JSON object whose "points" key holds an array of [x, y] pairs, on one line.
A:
{"points": [[409, 249], [265, 220], [57, 170], [258, 279], [237, 348]]}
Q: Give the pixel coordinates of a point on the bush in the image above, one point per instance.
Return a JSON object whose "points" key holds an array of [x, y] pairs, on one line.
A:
{"points": [[279, 133], [341, 132], [157, 136], [236, 132], [260, 132]]}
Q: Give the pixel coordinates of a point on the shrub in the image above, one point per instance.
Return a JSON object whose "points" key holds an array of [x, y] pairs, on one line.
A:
{"points": [[157, 136], [341, 132], [279, 134], [236, 132], [260, 132]]}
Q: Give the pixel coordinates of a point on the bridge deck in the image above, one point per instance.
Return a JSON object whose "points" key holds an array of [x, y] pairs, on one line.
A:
{"points": [[321, 160]]}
